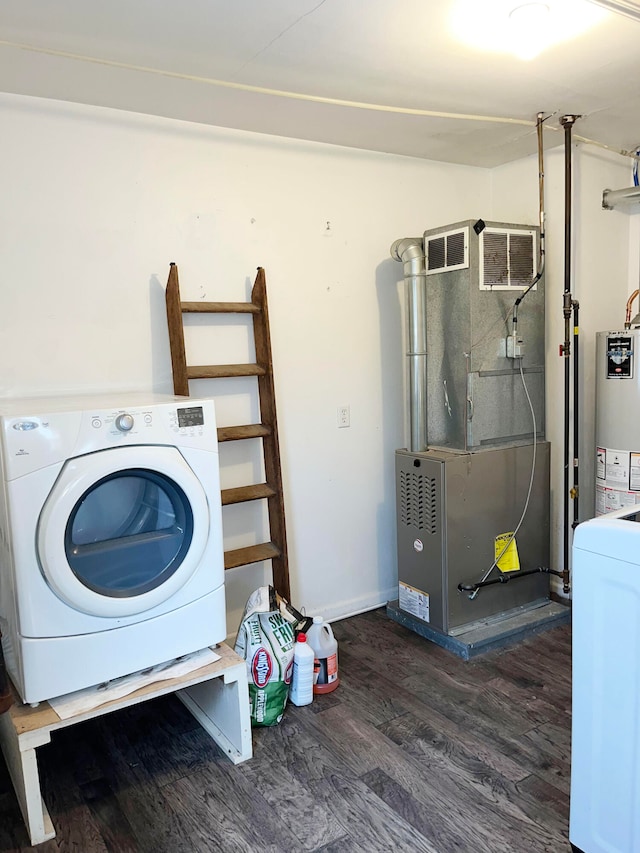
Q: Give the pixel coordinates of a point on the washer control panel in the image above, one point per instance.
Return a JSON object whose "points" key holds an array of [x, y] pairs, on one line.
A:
{"points": [[124, 422], [185, 421], [120, 423], [36, 438], [192, 416]]}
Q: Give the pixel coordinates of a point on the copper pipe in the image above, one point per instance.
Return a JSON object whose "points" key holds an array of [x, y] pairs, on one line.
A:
{"points": [[627, 319]]}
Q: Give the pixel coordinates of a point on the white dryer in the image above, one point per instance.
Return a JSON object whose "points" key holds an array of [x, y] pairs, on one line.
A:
{"points": [[111, 556]]}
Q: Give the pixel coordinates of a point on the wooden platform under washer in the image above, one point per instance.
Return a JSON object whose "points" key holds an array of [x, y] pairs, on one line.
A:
{"points": [[216, 694]]}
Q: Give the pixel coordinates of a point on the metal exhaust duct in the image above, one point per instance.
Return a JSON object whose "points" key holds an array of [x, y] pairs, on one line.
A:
{"points": [[410, 252], [620, 198]]}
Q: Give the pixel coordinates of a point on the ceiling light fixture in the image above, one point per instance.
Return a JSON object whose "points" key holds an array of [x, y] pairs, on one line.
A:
{"points": [[530, 13], [524, 28], [528, 26]]}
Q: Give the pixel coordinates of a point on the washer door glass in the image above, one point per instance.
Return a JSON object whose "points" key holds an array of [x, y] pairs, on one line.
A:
{"points": [[128, 533], [123, 530]]}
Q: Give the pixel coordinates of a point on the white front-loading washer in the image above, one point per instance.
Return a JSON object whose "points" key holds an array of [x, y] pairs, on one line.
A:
{"points": [[111, 556]]}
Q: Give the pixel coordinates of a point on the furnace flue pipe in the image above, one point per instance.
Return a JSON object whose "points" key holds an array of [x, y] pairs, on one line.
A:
{"points": [[410, 251]]}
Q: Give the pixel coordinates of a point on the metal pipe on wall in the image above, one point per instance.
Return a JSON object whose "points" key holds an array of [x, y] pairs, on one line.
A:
{"points": [[541, 213], [565, 351], [410, 251], [614, 198], [627, 315], [575, 491]]}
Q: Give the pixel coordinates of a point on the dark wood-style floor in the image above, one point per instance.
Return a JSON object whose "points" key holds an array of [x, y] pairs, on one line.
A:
{"points": [[416, 750]]}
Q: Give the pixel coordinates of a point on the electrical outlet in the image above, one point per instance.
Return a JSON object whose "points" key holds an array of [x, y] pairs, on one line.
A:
{"points": [[344, 417]]}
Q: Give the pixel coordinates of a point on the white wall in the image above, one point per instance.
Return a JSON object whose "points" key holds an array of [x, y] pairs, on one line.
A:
{"points": [[95, 204], [601, 283]]}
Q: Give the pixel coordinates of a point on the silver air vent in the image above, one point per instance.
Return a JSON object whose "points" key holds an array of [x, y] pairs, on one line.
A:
{"points": [[447, 251], [418, 502], [508, 259]]}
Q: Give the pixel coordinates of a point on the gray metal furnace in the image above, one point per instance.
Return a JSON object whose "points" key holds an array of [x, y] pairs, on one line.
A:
{"points": [[451, 507], [475, 351]]}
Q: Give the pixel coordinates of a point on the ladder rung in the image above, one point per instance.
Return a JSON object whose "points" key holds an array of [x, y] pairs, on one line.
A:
{"points": [[219, 308], [256, 310], [247, 493], [252, 554], [234, 433], [220, 371]]}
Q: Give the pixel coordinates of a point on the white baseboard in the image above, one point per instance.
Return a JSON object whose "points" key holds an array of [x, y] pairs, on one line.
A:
{"points": [[345, 609]]}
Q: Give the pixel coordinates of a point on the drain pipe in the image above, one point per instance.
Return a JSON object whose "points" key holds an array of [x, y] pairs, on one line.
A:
{"points": [[410, 252], [565, 349]]}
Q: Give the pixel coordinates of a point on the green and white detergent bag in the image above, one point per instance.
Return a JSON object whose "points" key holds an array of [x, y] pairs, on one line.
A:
{"points": [[265, 640]]}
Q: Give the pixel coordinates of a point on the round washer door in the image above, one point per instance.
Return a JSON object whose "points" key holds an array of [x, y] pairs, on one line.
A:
{"points": [[122, 530]]}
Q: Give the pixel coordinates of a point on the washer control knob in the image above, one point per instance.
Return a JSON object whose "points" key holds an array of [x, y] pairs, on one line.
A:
{"points": [[124, 423]]}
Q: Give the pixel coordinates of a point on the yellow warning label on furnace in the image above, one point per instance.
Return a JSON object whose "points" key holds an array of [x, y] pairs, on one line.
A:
{"points": [[506, 556]]}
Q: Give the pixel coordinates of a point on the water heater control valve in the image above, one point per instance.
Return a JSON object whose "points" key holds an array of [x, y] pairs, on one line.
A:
{"points": [[124, 422]]}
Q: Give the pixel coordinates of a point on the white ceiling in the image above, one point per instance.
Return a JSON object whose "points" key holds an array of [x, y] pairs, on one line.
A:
{"points": [[398, 53]]}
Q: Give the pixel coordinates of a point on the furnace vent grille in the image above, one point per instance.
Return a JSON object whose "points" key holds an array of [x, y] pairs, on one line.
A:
{"points": [[418, 500], [508, 259], [447, 251]]}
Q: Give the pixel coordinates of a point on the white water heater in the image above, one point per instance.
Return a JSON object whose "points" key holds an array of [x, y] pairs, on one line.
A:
{"points": [[617, 420]]}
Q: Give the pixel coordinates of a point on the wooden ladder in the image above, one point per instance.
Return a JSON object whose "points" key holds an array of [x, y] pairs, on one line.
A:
{"points": [[267, 430]]}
